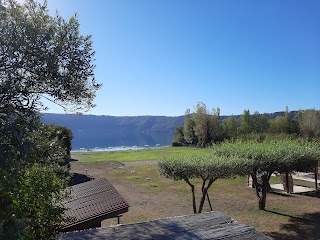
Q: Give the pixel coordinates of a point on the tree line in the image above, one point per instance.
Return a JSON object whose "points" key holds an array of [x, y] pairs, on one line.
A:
{"points": [[203, 128], [251, 145]]}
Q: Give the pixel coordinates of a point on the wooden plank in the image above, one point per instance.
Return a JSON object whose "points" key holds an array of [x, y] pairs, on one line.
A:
{"points": [[204, 226]]}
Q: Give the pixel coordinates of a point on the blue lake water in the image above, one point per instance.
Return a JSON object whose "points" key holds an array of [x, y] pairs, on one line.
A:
{"points": [[98, 141]]}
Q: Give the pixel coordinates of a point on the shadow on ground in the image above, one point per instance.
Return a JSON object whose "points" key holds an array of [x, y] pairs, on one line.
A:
{"points": [[77, 178], [281, 193], [311, 194], [305, 227]]}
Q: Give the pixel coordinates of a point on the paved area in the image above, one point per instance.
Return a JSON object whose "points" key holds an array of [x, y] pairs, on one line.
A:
{"points": [[296, 189]]}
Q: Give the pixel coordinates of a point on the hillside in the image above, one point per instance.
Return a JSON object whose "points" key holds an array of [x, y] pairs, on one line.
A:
{"points": [[104, 131]]}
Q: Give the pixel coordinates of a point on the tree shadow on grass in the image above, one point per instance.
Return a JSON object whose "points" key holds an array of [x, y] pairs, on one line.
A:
{"points": [[311, 194], [305, 227], [281, 193]]}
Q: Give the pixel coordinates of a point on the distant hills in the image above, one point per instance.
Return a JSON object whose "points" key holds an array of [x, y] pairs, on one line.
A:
{"points": [[104, 131]]}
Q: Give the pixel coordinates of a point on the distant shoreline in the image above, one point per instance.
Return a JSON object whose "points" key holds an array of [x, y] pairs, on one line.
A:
{"points": [[116, 149]]}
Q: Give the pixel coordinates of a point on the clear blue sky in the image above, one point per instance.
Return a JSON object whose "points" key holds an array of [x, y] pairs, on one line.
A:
{"points": [[162, 57]]}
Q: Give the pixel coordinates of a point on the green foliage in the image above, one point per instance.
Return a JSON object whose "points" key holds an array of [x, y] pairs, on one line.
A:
{"points": [[309, 122], [32, 213], [178, 138], [260, 123], [207, 167], [57, 137], [228, 159], [246, 125], [188, 129], [280, 125], [201, 124], [40, 53], [215, 127], [230, 127], [284, 125], [282, 155], [262, 159], [203, 165], [40, 56], [203, 129]]}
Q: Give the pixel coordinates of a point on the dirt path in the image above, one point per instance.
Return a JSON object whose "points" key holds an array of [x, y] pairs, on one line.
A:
{"points": [[141, 163]]}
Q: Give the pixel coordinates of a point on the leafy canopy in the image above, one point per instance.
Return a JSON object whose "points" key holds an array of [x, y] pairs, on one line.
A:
{"points": [[41, 56], [229, 159], [45, 56], [282, 155], [204, 166]]}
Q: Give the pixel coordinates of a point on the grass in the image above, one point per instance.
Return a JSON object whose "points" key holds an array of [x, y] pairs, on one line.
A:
{"points": [[135, 155], [151, 196]]}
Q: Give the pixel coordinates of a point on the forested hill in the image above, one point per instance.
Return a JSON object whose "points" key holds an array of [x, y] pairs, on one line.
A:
{"points": [[143, 124], [102, 131]]}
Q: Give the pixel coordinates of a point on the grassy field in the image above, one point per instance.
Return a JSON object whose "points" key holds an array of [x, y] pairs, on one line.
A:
{"points": [[152, 196], [135, 155]]}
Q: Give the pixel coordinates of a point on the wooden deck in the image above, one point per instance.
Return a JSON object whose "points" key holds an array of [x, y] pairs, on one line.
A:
{"points": [[204, 226]]}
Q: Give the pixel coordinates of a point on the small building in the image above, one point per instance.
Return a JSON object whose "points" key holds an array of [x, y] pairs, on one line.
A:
{"points": [[92, 202], [203, 226]]}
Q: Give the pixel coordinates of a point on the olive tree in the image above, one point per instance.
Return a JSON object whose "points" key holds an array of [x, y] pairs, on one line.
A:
{"points": [[229, 159], [41, 56], [206, 167], [263, 159]]}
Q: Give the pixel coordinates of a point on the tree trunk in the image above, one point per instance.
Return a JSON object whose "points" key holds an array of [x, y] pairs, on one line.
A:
{"points": [[263, 197], [203, 197], [209, 202], [287, 182], [261, 189], [193, 196], [204, 193], [316, 178]]}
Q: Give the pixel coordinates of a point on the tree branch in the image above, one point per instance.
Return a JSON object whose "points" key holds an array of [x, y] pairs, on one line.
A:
{"points": [[204, 193]]}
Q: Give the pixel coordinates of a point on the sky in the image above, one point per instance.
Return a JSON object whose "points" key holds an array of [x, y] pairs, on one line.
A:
{"points": [[162, 57]]}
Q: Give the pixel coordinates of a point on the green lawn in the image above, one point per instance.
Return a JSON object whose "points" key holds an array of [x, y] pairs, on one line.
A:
{"points": [[135, 155]]}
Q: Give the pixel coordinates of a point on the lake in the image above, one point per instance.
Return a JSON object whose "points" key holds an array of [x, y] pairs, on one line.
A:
{"points": [[106, 139]]}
